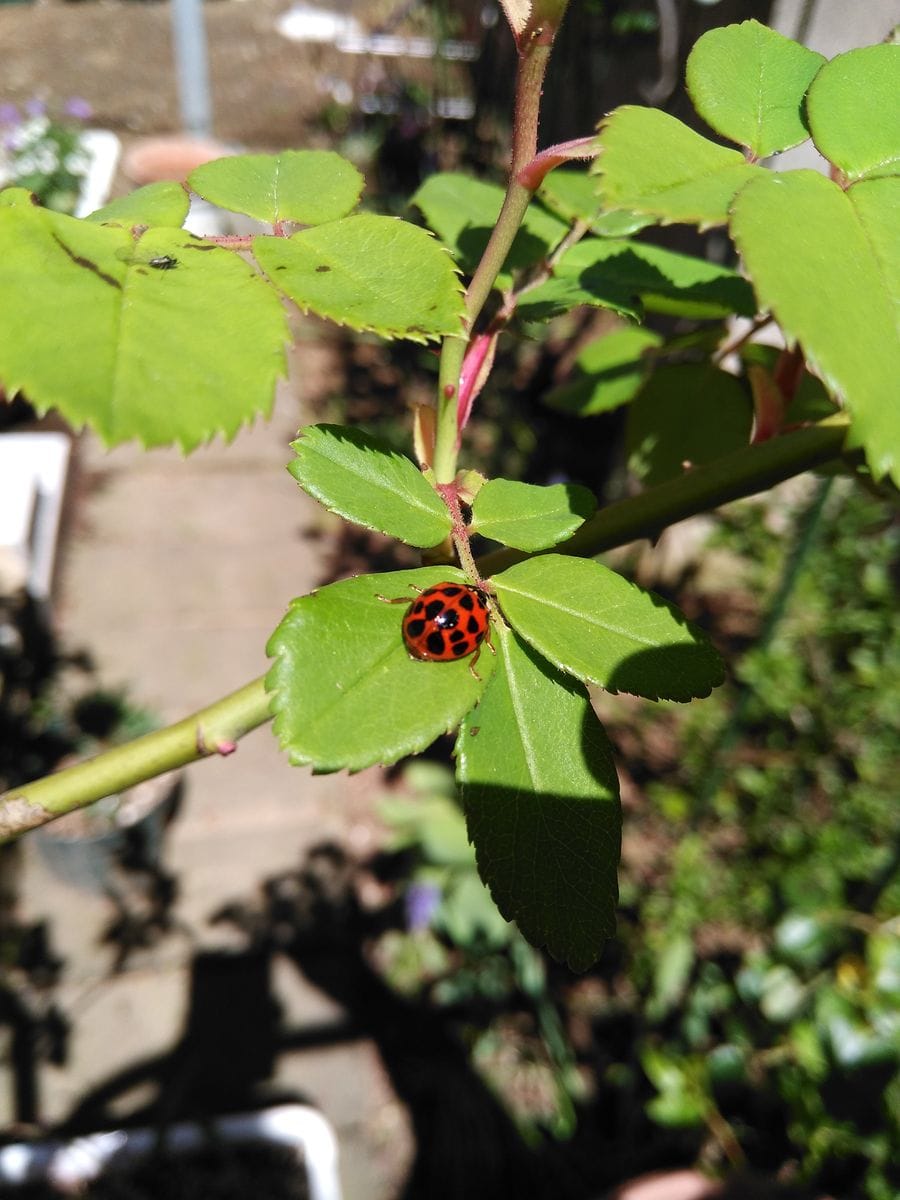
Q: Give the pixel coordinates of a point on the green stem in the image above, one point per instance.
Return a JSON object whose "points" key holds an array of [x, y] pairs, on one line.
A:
{"points": [[529, 81], [216, 729], [744, 473], [212, 730]]}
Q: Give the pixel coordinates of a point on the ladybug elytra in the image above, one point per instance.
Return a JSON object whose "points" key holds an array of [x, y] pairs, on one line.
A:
{"points": [[446, 621]]}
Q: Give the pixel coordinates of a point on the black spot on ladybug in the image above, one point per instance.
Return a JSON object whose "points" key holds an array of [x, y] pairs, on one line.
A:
{"points": [[418, 608], [457, 636], [452, 591], [433, 609], [435, 643], [448, 619], [415, 628], [472, 625], [467, 602], [460, 650]]}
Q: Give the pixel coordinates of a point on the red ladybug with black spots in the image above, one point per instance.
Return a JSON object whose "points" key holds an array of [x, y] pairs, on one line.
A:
{"points": [[447, 621]]}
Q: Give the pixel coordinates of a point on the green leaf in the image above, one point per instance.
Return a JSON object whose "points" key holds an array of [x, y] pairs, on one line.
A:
{"points": [[159, 204], [542, 802], [530, 517], [433, 825], [164, 339], [827, 264], [308, 186], [671, 973], [683, 177], [345, 691], [16, 197], [609, 373], [369, 272], [364, 480], [748, 82], [463, 211], [690, 413], [629, 276], [852, 108], [572, 195], [595, 625]]}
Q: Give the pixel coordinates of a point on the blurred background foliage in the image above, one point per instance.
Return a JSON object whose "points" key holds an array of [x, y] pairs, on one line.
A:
{"points": [[748, 1015]]}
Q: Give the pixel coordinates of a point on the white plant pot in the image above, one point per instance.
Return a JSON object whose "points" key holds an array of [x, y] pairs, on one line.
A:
{"points": [[71, 1166], [102, 148]]}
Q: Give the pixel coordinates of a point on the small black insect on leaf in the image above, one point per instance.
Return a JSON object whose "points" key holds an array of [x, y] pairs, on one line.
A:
{"points": [[162, 262]]}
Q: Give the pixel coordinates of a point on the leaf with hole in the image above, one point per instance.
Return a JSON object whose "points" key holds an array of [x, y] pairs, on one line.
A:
{"points": [[541, 796], [345, 692], [307, 186], [368, 272], [364, 480], [530, 517], [593, 624]]}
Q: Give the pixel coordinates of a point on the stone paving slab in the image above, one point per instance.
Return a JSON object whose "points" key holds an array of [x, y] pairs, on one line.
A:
{"points": [[174, 573]]}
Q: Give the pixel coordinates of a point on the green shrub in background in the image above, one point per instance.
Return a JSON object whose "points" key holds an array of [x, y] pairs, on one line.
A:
{"points": [[767, 949], [759, 978]]}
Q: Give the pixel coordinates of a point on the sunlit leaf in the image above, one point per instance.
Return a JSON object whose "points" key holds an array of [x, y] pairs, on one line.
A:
{"points": [[364, 480], [748, 83], [165, 204], [651, 163], [530, 517], [308, 186], [595, 625], [345, 691], [369, 272], [827, 263], [852, 108], [164, 339]]}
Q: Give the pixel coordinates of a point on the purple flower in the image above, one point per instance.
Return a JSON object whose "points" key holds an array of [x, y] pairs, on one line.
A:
{"points": [[35, 108], [78, 107], [422, 900], [9, 114]]}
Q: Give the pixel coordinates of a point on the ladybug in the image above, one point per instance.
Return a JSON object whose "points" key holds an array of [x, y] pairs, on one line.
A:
{"points": [[446, 621]]}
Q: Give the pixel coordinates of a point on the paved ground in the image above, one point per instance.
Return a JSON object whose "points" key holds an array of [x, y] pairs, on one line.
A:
{"points": [[173, 574]]}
